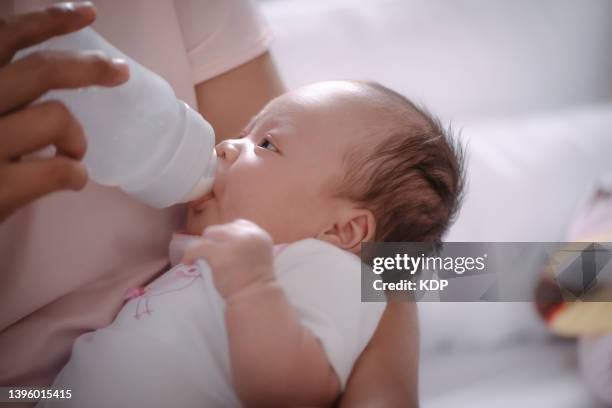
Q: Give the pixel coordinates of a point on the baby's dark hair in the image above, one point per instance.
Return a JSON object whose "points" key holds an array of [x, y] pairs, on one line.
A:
{"points": [[413, 177]]}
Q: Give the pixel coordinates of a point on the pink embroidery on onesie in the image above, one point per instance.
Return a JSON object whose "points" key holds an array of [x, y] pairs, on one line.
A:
{"points": [[184, 276]]}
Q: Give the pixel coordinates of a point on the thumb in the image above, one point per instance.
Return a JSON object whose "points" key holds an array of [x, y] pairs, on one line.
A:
{"points": [[198, 249]]}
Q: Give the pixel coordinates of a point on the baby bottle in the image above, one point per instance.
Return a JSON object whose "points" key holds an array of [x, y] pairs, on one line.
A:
{"points": [[140, 138]]}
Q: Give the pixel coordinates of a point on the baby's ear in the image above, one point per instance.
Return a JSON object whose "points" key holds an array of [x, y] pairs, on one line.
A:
{"points": [[350, 229]]}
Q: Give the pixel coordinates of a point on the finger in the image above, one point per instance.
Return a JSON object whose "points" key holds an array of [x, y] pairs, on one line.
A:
{"points": [[38, 126], [202, 250], [24, 181], [196, 251], [217, 231], [28, 29], [25, 80]]}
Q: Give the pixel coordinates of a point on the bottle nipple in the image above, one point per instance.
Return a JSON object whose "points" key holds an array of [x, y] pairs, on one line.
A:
{"points": [[204, 185]]}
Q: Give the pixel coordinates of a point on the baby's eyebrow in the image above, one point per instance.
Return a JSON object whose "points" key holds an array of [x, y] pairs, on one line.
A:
{"points": [[251, 123], [255, 119]]}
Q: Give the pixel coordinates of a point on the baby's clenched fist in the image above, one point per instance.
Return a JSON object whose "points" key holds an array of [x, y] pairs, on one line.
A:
{"points": [[239, 253]]}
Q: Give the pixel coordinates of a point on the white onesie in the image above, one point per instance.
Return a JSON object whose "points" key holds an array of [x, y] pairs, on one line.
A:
{"points": [[168, 345]]}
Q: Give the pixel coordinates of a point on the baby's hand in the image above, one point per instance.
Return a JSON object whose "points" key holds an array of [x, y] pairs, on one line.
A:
{"points": [[239, 254]]}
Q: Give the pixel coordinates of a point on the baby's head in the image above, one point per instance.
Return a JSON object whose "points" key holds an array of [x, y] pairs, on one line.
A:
{"points": [[341, 161]]}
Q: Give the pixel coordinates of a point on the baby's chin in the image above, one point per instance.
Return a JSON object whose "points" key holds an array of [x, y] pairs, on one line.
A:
{"points": [[197, 220]]}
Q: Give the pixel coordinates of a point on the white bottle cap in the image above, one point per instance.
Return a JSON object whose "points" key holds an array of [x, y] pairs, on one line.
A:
{"points": [[190, 173]]}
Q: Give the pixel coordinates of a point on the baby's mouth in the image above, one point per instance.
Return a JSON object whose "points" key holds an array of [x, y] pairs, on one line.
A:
{"points": [[199, 203]]}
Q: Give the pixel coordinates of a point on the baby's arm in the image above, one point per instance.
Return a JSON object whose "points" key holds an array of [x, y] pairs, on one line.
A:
{"points": [[275, 360]]}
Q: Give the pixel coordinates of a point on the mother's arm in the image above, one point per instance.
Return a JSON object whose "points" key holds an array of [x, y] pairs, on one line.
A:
{"points": [[386, 373], [228, 101]]}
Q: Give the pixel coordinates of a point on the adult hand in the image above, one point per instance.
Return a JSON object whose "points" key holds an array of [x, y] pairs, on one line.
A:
{"points": [[26, 127]]}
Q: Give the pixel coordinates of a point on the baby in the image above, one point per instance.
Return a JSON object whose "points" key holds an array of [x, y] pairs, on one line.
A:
{"points": [[240, 320]]}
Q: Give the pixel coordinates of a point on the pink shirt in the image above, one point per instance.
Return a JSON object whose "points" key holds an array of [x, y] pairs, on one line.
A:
{"points": [[67, 259]]}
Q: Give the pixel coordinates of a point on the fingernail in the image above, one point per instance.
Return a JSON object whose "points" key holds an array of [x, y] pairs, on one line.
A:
{"points": [[80, 177], [119, 62], [81, 7], [120, 65]]}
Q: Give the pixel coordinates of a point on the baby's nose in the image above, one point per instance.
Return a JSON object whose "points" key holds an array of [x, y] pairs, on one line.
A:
{"points": [[228, 151]]}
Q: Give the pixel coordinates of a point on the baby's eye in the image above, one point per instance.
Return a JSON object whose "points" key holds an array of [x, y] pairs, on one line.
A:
{"points": [[266, 144]]}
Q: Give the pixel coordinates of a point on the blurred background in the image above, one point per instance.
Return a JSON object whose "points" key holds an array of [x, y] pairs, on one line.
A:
{"points": [[528, 84], [464, 59]]}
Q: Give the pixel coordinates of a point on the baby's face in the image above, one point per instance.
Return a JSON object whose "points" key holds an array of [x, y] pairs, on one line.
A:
{"points": [[281, 171]]}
